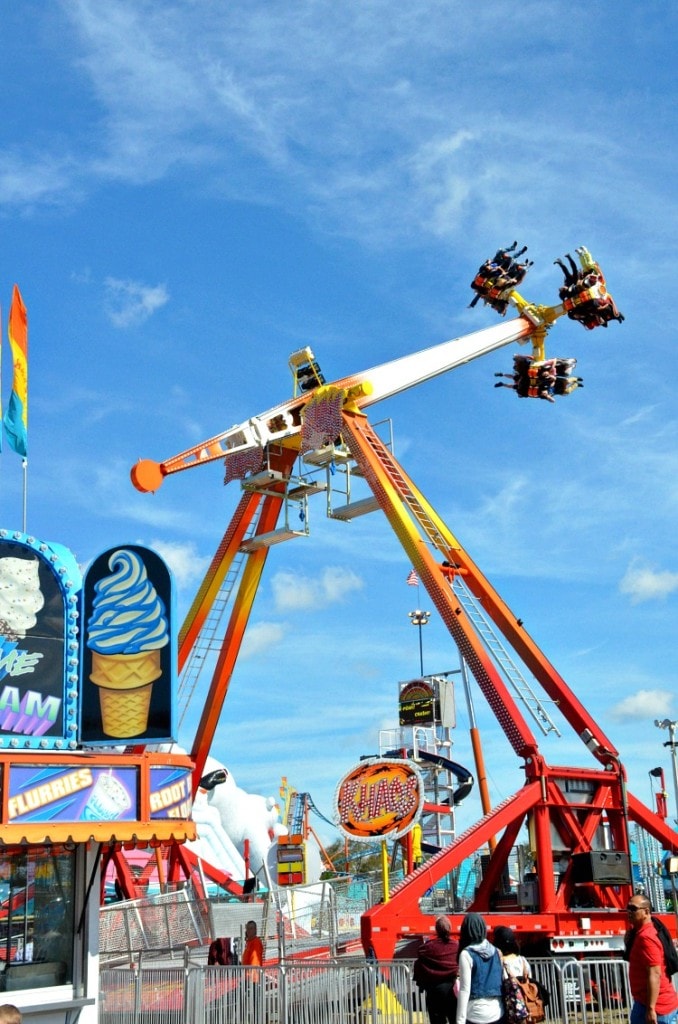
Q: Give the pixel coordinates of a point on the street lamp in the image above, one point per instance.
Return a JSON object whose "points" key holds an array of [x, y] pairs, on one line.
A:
{"points": [[419, 618], [666, 723]]}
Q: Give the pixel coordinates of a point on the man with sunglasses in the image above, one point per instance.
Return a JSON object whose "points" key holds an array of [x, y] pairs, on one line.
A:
{"points": [[654, 998]]}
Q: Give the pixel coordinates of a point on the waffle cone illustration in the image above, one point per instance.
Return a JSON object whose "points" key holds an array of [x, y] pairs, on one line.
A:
{"points": [[125, 684]]}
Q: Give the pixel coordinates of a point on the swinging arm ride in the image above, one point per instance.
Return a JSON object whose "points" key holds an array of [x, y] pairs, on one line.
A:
{"points": [[282, 424], [566, 809]]}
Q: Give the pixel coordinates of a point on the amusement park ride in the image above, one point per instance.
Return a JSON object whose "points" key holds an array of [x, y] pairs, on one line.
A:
{"points": [[577, 818]]}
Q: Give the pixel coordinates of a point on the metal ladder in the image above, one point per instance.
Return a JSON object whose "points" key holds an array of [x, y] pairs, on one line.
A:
{"points": [[209, 640], [471, 605], [419, 514], [511, 671], [295, 815]]}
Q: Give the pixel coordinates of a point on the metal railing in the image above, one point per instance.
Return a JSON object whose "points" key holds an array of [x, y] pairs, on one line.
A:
{"points": [[350, 991], [167, 922], [290, 921], [585, 991]]}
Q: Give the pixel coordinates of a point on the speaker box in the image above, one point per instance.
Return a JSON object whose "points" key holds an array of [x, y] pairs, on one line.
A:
{"points": [[604, 867]]}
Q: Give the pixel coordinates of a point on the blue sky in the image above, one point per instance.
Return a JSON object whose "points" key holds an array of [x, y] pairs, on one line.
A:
{"points": [[189, 191]]}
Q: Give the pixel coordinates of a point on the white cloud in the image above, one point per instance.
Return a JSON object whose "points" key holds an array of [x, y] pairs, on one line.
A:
{"points": [[260, 637], [643, 704], [183, 559], [214, 87], [29, 181], [130, 303], [294, 592], [643, 583]]}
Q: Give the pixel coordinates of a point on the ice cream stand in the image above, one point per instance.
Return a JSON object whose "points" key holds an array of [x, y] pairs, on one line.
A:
{"points": [[87, 685]]}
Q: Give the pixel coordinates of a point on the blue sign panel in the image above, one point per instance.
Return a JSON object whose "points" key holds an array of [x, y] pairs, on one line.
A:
{"points": [[171, 795], [72, 793], [40, 589]]}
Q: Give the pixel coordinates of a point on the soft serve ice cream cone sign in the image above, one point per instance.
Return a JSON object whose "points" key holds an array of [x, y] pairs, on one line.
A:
{"points": [[21, 598], [128, 659]]}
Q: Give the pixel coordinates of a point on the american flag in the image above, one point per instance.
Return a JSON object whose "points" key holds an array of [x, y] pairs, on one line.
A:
{"points": [[412, 580]]}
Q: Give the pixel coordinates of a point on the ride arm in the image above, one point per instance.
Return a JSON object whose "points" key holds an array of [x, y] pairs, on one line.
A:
{"points": [[283, 423], [586, 727], [404, 505], [588, 730], [411, 519]]}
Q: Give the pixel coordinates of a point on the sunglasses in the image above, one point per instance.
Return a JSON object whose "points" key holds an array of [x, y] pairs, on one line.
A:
{"points": [[632, 908]]}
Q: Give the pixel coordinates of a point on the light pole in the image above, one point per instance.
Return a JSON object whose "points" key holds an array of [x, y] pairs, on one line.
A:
{"points": [[662, 805], [419, 618], [666, 723]]}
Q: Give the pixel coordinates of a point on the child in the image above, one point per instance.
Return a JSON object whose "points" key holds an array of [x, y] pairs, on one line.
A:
{"points": [[9, 1014]]}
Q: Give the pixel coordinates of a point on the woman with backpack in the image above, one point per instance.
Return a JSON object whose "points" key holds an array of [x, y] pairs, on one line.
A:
{"points": [[533, 995], [480, 975], [505, 941]]}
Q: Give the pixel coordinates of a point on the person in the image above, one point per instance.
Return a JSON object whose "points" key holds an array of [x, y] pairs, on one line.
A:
{"points": [[253, 958], [220, 953], [534, 995], [654, 998], [566, 382], [520, 376], [505, 940], [498, 276], [480, 975], [9, 1014], [435, 972], [572, 274], [253, 953], [566, 385]]}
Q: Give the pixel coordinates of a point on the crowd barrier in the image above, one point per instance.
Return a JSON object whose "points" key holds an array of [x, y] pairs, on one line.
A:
{"points": [[351, 991]]}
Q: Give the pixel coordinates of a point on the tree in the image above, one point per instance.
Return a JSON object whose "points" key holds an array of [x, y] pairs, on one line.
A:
{"points": [[353, 858]]}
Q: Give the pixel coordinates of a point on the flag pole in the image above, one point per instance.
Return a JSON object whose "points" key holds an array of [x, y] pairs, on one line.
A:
{"points": [[418, 618], [24, 466]]}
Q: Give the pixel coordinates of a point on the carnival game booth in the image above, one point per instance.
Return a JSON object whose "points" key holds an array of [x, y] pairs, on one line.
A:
{"points": [[86, 684]]}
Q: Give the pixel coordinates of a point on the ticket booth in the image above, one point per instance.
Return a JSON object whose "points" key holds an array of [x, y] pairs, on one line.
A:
{"points": [[86, 699]]}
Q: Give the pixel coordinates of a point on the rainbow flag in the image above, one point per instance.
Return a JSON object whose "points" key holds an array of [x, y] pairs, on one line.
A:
{"points": [[15, 419]]}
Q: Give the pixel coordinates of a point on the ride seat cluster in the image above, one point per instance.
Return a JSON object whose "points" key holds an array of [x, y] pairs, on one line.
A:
{"points": [[584, 298]]}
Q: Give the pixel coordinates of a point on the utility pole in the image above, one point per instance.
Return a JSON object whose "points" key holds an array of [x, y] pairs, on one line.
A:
{"points": [[420, 619]]}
